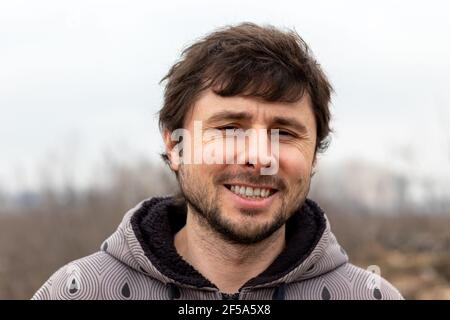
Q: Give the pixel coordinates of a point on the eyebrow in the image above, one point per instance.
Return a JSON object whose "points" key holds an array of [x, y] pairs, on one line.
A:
{"points": [[246, 116], [230, 115]]}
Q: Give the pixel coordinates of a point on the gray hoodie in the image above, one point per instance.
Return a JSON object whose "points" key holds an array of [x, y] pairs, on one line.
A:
{"points": [[139, 261]]}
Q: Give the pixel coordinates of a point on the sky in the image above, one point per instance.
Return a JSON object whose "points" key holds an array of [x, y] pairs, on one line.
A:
{"points": [[80, 79]]}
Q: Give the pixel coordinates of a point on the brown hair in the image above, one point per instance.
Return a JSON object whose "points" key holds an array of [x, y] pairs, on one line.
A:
{"points": [[247, 60]]}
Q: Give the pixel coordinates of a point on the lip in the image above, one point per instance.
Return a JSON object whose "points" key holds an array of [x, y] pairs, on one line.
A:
{"points": [[250, 203]]}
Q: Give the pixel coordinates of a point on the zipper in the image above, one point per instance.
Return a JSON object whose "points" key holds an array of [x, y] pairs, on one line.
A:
{"points": [[230, 296]]}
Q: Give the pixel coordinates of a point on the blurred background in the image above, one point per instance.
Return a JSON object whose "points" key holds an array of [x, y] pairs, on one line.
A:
{"points": [[79, 140]]}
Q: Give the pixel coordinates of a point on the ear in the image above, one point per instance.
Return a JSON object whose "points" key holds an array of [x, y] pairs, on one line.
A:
{"points": [[314, 163], [169, 144]]}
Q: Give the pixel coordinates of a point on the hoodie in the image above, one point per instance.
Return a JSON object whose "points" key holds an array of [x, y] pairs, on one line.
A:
{"points": [[139, 261]]}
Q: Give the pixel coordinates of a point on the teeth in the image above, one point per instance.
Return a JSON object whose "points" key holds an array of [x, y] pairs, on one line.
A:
{"points": [[250, 191]]}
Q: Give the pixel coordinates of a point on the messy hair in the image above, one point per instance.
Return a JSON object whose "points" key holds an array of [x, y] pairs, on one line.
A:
{"points": [[252, 61]]}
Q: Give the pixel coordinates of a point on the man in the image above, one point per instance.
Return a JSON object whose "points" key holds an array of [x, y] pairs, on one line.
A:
{"points": [[246, 110]]}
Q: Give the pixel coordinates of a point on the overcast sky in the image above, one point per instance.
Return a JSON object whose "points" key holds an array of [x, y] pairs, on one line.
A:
{"points": [[77, 77]]}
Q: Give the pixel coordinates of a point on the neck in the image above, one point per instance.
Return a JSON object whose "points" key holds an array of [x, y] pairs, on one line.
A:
{"points": [[227, 265]]}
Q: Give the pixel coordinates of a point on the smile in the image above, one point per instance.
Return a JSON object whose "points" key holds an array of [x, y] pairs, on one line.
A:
{"points": [[251, 192], [250, 196]]}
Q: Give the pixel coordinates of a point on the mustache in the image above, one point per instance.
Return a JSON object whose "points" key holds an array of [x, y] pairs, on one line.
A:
{"points": [[247, 177]]}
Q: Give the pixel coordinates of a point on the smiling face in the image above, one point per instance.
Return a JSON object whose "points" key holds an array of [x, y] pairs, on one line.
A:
{"points": [[235, 200]]}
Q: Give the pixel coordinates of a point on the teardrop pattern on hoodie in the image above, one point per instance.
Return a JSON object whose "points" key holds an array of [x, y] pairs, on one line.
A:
{"points": [[173, 291], [126, 290], [279, 292], [377, 294], [73, 287], [105, 246], [105, 277], [326, 294]]}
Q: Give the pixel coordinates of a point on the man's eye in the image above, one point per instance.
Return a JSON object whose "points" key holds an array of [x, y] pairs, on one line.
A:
{"points": [[285, 133], [228, 127]]}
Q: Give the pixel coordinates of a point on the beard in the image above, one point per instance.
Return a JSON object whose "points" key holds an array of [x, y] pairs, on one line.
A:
{"points": [[205, 205]]}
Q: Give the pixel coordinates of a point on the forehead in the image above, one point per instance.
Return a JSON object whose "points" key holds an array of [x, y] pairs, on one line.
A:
{"points": [[209, 104]]}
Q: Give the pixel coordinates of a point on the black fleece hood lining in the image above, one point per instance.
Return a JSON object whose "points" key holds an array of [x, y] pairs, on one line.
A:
{"points": [[157, 221]]}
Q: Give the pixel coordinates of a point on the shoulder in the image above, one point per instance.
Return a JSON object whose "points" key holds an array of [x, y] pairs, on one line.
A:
{"points": [[97, 276], [348, 282], [365, 284]]}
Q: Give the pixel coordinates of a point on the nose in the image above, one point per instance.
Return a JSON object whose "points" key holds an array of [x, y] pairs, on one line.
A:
{"points": [[261, 150]]}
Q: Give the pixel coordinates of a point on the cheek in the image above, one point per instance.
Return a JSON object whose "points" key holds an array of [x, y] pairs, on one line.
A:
{"points": [[295, 163], [205, 174]]}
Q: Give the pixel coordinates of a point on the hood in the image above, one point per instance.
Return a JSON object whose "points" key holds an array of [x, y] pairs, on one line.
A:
{"points": [[144, 242]]}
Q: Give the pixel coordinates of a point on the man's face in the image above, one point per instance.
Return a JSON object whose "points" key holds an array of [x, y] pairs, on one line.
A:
{"points": [[214, 191]]}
